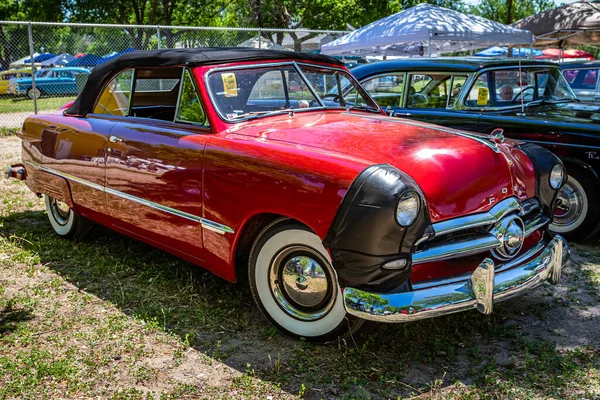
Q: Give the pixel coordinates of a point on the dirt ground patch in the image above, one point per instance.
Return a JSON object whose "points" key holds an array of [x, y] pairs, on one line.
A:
{"points": [[110, 317]]}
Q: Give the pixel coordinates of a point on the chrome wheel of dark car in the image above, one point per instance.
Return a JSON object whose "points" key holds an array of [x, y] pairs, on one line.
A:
{"points": [[301, 283], [575, 216], [569, 205]]}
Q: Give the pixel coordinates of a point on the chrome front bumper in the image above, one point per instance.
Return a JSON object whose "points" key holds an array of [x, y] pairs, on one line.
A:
{"points": [[488, 284]]}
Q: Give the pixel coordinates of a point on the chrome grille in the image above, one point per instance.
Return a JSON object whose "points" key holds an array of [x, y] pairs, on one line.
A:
{"points": [[473, 234]]}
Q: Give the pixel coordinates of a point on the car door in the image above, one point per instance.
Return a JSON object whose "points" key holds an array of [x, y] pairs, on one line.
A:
{"points": [[154, 166]]}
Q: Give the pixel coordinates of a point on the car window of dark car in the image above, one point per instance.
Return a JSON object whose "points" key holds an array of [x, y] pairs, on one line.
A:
{"points": [[479, 93], [386, 90], [428, 91], [581, 78], [114, 99], [190, 109]]}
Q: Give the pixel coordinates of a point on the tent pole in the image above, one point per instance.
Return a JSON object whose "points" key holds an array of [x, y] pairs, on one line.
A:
{"points": [[429, 45]]}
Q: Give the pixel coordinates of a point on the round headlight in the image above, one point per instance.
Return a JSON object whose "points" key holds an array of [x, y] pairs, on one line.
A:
{"points": [[407, 208], [557, 176]]}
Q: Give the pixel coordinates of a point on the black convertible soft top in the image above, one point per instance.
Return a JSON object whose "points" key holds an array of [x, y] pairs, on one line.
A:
{"points": [[170, 57]]}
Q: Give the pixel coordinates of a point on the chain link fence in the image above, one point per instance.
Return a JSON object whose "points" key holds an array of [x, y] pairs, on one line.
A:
{"points": [[64, 54]]}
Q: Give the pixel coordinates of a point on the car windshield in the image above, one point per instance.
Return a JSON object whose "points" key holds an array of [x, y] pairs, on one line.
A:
{"points": [[244, 93], [514, 86]]}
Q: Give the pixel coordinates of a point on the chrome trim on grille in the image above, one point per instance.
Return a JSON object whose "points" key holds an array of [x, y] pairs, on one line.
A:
{"points": [[206, 223], [492, 216], [457, 249], [487, 285], [478, 242]]}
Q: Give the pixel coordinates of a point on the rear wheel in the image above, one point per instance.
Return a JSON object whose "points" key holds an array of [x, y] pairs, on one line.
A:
{"points": [[294, 284], [65, 222], [576, 215], [34, 93]]}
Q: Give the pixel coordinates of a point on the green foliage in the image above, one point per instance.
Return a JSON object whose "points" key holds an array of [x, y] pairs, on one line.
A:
{"points": [[508, 11]]}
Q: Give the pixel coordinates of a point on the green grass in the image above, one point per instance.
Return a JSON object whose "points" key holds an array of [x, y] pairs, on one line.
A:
{"points": [[111, 317], [12, 104]]}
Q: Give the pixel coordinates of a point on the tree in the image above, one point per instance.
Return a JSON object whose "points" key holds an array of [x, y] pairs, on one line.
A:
{"points": [[507, 11]]}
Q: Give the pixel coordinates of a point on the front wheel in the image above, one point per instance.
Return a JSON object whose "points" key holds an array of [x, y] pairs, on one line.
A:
{"points": [[34, 93], [65, 222], [576, 215], [294, 284]]}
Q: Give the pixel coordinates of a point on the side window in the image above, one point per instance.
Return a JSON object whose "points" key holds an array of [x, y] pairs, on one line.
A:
{"points": [[479, 94], [114, 100], [387, 90], [63, 74], [190, 110], [428, 91], [582, 79], [155, 93]]}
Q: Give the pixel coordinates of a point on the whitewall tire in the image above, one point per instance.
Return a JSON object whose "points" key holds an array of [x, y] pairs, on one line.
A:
{"points": [[294, 284], [576, 216], [65, 222]]}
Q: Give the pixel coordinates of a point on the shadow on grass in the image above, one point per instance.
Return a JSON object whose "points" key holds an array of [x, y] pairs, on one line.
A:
{"points": [[220, 320], [11, 318]]}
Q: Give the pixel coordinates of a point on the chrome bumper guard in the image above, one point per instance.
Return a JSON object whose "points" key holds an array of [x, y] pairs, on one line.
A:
{"points": [[488, 284]]}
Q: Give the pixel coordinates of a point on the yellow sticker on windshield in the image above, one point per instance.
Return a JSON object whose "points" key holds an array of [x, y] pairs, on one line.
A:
{"points": [[482, 96], [229, 84]]}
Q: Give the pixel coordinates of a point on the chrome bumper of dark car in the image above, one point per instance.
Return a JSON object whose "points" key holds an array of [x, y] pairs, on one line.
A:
{"points": [[488, 284]]}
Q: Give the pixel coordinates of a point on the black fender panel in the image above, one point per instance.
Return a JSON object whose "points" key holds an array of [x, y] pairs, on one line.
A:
{"points": [[365, 234], [543, 161]]}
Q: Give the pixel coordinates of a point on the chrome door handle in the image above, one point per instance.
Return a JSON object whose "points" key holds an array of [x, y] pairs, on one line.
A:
{"points": [[402, 114], [115, 139]]}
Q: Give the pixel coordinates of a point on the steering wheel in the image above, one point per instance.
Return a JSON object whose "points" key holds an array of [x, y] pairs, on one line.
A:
{"points": [[333, 96], [419, 98], [518, 95]]}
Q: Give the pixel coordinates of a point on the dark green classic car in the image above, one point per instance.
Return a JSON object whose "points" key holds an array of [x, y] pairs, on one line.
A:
{"points": [[529, 100]]}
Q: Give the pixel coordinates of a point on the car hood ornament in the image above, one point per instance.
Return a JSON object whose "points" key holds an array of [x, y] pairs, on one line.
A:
{"points": [[497, 136]]}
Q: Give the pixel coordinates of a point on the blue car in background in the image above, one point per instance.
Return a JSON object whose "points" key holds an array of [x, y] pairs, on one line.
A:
{"points": [[49, 82]]}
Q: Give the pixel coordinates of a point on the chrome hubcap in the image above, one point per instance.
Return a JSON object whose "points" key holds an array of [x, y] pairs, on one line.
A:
{"points": [[568, 205], [301, 283], [60, 211]]}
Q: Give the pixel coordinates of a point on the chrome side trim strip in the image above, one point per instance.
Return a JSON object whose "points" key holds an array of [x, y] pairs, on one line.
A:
{"points": [[206, 223]]}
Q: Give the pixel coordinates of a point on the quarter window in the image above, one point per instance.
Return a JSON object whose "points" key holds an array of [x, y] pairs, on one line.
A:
{"points": [[386, 90], [114, 100], [190, 110]]}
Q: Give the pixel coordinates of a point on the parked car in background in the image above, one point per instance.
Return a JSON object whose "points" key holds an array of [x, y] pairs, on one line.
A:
{"points": [[48, 82], [6, 76], [583, 79], [530, 100], [235, 160]]}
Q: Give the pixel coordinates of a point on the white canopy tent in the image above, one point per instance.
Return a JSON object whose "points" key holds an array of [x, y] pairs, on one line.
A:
{"points": [[258, 42], [20, 63], [426, 29]]}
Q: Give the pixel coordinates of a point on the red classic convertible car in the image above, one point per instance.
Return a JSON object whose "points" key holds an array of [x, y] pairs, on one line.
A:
{"points": [[248, 161]]}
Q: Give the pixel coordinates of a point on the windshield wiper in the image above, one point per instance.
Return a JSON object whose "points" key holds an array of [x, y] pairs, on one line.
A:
{"points": [[257, 114], [364, 108]]}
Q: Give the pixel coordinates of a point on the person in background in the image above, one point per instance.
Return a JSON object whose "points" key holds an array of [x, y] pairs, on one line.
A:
{"points": [[506, 92]]}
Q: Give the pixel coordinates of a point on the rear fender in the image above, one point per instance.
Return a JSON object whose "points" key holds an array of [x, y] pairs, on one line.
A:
{"points": [[51, 185]]}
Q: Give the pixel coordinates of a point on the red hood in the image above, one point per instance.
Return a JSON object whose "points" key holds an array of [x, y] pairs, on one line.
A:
{"points": [[459, 173]]}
